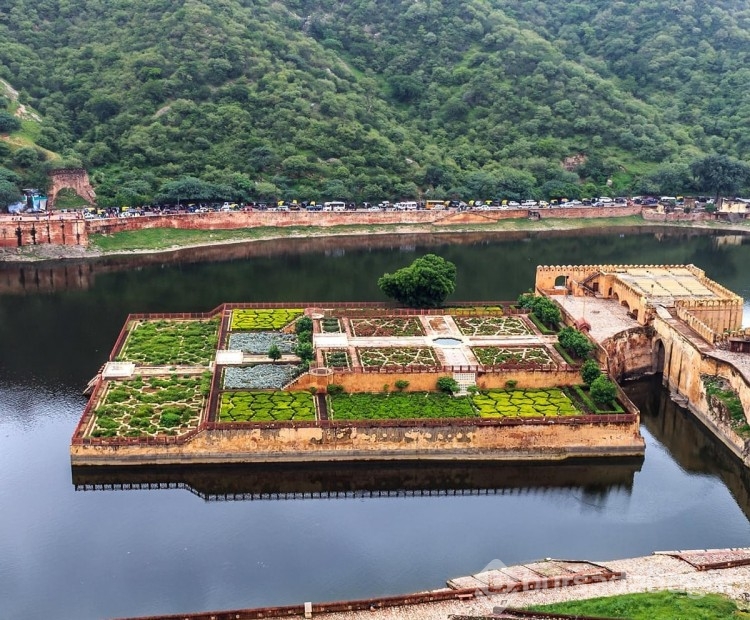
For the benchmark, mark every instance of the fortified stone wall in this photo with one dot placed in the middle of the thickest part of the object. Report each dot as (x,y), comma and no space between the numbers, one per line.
(676,216)
(40,229)
(253,219)
(76,179)
(499,442)
(629,353)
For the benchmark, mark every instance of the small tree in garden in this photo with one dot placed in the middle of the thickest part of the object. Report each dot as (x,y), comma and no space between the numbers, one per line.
(274,352)
(401,384)
(543,308)
(602,391)
(303,324)
(335,388)
(590,371)
(575,342)
(423,284)
(447,384)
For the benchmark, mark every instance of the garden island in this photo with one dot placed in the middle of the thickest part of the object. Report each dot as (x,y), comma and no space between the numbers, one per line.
(354,381)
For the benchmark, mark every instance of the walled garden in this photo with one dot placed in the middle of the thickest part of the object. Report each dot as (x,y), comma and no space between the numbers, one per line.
(336,358)
(404,406)
(258,343)
(524,403)
(397,356)
(248,320)
(492,326)
(259,376)
(497,356)
(398,327)
(149,407)
(273,406)
(171,342)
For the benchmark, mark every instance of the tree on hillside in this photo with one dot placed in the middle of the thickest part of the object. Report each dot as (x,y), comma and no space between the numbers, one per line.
(9,194)
(423,284)
(8,122)
(719,175)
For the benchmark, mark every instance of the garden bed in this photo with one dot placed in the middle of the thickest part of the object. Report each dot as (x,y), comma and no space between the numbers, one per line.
(529,403)
(150,407)
(336,358)
(330,326)
(393,327)
(492,326)
(266,407)
(398,406)
(249,320)
(260,376)
(497,356)
(258,343)
(397,356)
(170,342)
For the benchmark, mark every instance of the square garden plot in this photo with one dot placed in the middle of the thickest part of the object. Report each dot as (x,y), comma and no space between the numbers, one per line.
(394,327)
(248,320)
(259,376)
(170,342)
(336,358)
(266,407)
(150,407)
(398,406)
(497,356)
(492,326)
(258,343)
(397,356)
(524,403)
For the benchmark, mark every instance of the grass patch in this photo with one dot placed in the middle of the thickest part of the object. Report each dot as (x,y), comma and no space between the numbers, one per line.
(247,320)
(652,606)
(397,356)
(171,342)
(398,406)
(276,406)
(718,390)
(492,326)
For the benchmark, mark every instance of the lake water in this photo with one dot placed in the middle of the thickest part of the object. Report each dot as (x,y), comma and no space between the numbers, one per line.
(214,541)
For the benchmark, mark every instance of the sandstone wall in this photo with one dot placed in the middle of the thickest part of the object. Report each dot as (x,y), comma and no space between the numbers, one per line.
(471,442)
(42,229)
(629,353)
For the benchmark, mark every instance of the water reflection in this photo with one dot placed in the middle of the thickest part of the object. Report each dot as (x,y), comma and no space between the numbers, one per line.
(689,443)
(594,478)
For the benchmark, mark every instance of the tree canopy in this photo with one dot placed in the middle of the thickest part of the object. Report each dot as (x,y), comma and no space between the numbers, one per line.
(424,284)
(379,100)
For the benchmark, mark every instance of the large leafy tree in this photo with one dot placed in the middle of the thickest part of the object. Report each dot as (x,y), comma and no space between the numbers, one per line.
(720,175)
(423,284)
(9,194)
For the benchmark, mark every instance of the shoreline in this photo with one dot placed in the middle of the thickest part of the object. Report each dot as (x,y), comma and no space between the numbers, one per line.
(54,252)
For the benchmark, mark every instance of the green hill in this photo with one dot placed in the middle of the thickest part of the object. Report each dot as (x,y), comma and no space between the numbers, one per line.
(373,99)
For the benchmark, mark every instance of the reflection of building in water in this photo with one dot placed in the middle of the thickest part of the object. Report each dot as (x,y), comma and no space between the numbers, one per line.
(722,240)
(596,479)
(688,442)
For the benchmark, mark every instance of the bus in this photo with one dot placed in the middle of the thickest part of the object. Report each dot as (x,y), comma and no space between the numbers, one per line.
(434,204)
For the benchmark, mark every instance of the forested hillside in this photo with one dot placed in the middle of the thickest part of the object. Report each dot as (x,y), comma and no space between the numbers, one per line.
(372,99)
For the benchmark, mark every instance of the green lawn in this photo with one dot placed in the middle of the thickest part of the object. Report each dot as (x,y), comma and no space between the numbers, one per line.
(653,606)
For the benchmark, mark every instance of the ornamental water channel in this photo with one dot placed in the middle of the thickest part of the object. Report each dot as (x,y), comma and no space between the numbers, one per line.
(74,544)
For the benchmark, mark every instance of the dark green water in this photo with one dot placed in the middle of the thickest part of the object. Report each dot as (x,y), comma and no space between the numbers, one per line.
(88,554)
